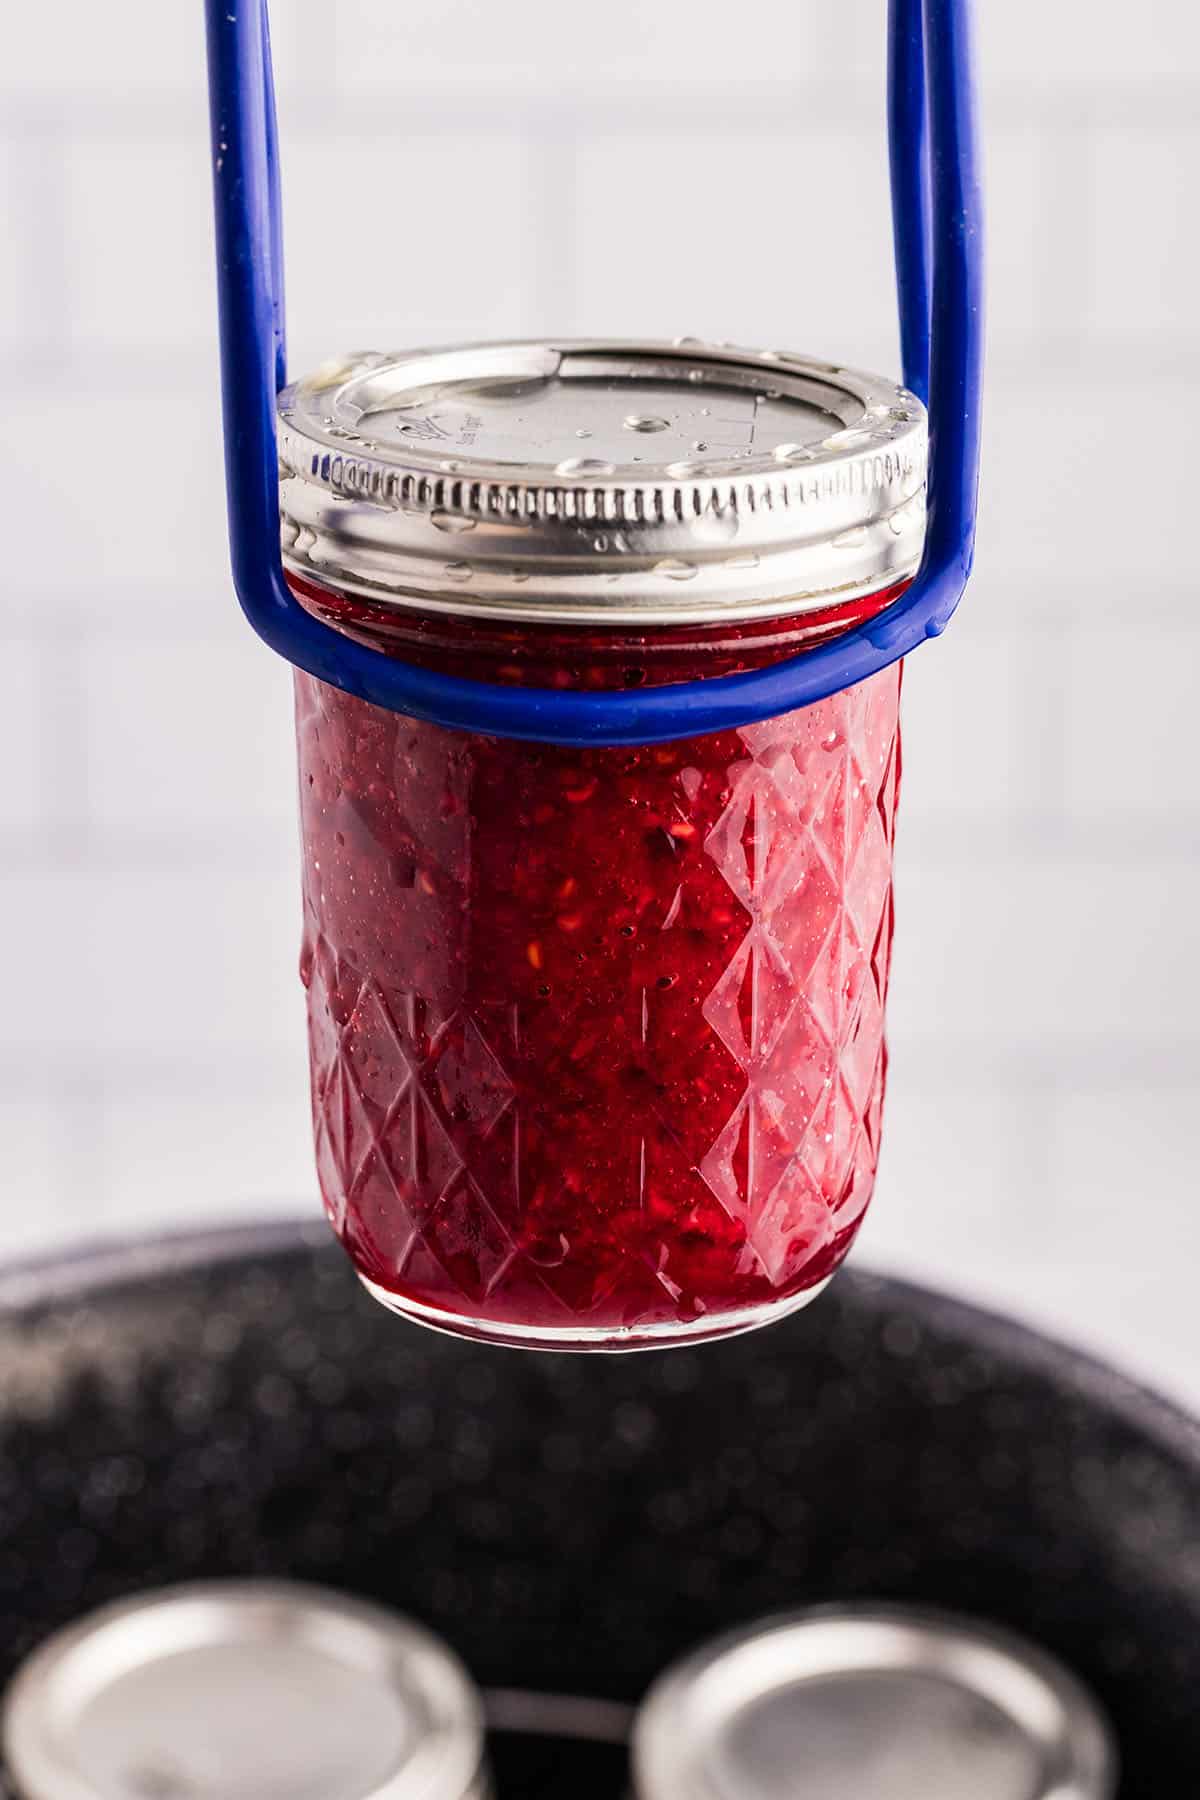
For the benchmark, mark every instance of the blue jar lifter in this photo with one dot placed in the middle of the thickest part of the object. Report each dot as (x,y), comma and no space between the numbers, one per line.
(937,230)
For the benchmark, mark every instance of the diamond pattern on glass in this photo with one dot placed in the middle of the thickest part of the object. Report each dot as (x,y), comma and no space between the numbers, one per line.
(653,1086)
(804,842)
(396,1130)
(468,1078)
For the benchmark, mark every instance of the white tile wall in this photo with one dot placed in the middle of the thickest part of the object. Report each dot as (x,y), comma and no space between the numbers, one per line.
(125,212)
(423,270)
(458,169)
(23,785)
(767,234)
(1141,282)
(445,46)
(14,294)
(203,763)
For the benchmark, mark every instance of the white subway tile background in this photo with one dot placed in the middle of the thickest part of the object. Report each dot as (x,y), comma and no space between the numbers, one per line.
(460,169)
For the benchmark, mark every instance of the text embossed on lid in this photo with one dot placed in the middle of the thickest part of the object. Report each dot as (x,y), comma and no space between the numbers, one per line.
(601,482)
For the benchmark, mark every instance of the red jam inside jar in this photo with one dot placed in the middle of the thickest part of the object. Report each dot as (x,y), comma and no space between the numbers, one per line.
(597,1035)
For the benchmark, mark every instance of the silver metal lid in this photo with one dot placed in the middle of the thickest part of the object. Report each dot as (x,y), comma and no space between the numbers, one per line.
(871,1704)
(243,1691)
(612,483)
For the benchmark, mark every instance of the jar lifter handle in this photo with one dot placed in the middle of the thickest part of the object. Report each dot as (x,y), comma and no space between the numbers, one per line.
(936,208)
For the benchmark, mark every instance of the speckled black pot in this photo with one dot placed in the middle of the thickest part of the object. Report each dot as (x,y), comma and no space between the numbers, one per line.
(234,1404)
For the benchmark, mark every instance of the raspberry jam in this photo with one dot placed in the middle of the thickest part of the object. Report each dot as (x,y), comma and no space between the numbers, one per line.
(596,1035)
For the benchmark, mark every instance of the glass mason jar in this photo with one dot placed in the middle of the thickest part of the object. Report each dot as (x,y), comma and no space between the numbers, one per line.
(597,1035)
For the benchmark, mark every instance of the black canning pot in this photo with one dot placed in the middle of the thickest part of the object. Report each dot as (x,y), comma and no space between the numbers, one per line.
(234,1404)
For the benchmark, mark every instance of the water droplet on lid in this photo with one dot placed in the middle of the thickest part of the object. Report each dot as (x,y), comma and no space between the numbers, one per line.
(699,444)
(846,440)
(748,559)
(450,468)
(792,453)
(584,465)
(903,414)
(680,341)
(675,569)
(646,422)
(457,571)
(854,539)
(771,355)
(770,394)
(695,375)
(452,522)
(582,433)
(518,575)
(705,412)
(679,471)
(600,543)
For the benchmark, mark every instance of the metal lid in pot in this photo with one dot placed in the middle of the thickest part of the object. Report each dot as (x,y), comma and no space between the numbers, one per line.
(601,482)
(243,1691)
(871,1704)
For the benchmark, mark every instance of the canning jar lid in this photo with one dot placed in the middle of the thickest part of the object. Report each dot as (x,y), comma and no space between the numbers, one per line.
(243,1691)
(871,1704)
(621,483)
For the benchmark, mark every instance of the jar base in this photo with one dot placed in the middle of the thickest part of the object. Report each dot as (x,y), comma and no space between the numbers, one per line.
(606,1339)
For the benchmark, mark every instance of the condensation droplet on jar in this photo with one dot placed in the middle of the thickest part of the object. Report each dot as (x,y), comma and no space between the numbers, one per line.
(854,539)
(454,523)
(792,453)
(457,571)
(675,569)
(584,465)
(646,422)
